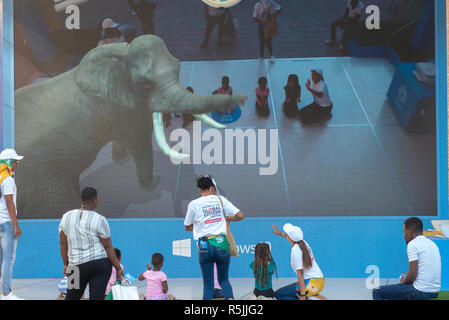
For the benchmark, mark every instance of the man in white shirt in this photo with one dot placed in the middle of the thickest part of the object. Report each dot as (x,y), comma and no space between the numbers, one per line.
(321,107)
(9,227)
(352,15)
(423,281)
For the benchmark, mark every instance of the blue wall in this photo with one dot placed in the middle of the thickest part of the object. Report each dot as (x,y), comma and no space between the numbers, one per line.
(343,247)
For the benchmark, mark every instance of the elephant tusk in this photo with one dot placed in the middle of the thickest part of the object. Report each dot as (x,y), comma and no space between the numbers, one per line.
(161,141)
(206,119)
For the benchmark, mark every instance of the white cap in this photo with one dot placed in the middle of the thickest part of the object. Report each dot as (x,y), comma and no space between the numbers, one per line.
(10,154)
(109,23)
(294,232)
(317,70)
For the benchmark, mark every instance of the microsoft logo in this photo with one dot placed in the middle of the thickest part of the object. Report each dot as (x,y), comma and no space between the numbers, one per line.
(182,248)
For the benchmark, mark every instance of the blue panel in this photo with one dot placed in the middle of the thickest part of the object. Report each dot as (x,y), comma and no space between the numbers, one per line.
(343,247)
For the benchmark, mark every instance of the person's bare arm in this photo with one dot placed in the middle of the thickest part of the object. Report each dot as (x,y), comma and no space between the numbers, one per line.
(64,247)
(9,199)
(107,244)
(302,286)
(283,235)
(189,228)
(164,286)
(237,217)
(412,272)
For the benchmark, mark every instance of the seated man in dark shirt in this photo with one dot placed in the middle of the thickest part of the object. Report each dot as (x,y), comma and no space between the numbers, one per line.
(347,23)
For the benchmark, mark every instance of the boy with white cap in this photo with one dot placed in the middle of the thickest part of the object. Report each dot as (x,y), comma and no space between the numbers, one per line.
(9,227)
(310,278)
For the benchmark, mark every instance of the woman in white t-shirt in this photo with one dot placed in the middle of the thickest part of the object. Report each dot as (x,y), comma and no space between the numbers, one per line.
(205,217)
(310,278)
(264,14)
(321,107)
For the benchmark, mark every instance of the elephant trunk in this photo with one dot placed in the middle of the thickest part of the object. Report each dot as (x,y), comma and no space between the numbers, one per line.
(176,98)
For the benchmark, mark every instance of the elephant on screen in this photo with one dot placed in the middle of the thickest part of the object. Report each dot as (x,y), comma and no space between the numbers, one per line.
(117,93)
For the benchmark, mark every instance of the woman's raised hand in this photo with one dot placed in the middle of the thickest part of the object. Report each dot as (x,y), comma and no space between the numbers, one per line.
(276,230)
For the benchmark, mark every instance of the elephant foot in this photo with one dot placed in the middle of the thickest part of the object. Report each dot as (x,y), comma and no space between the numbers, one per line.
(120,154)
(152,184)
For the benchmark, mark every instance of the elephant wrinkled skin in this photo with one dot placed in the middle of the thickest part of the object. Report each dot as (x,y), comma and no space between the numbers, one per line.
(62,123)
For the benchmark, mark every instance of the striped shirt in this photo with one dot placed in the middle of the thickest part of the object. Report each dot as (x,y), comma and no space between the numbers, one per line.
(83,230)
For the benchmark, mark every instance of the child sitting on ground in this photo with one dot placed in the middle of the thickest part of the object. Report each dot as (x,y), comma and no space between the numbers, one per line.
(263,269)
(225,89)
(262,93)
(113,277)
(157,286)
(292,96)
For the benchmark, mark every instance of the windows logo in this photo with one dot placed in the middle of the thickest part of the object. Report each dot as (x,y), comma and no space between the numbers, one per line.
(182,248)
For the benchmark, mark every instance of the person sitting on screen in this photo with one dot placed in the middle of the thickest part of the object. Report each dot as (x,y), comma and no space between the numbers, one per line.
(292,96)
(322,105)
(225,89)
(262,93)
(347,23)
(423,280)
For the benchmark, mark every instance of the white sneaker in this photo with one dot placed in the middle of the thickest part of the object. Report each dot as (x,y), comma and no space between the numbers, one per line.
(11,296)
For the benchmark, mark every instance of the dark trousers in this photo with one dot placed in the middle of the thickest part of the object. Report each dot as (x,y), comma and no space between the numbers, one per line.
(147,27)
(96,273)
(211,22)
(264,41)
(347,25)
(314,113)
(401,292)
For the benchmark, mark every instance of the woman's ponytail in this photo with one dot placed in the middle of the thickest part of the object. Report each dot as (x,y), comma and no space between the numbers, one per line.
(306,259)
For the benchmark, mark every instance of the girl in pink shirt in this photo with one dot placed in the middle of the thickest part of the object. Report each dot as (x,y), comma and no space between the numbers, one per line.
(157,286)
(113,277)
(225,89)
(262,93)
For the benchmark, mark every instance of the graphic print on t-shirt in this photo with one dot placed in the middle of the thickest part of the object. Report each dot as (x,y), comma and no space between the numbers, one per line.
(212,214)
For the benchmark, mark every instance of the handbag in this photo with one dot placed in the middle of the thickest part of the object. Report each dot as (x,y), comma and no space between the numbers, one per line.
(271,27)
(119,292)
(229,236)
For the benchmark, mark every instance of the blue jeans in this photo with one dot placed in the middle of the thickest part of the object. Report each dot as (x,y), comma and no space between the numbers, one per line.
(401,292)
(207,257)
(8,245)
(287,293)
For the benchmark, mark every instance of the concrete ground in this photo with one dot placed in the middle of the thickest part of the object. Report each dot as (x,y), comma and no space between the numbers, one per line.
(191,288)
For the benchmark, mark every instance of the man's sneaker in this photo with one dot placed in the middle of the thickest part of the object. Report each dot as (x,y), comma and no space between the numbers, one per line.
(329,42)
(272,59)
(10,296)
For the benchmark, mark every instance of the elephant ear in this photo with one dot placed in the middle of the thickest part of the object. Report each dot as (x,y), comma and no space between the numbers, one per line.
(104,73)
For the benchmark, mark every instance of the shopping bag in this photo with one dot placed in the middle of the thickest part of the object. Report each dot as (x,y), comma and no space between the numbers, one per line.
(120,292)
(271,27)
(229,236)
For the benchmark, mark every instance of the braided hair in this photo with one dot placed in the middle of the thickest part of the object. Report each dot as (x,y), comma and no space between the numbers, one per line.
(262,258)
